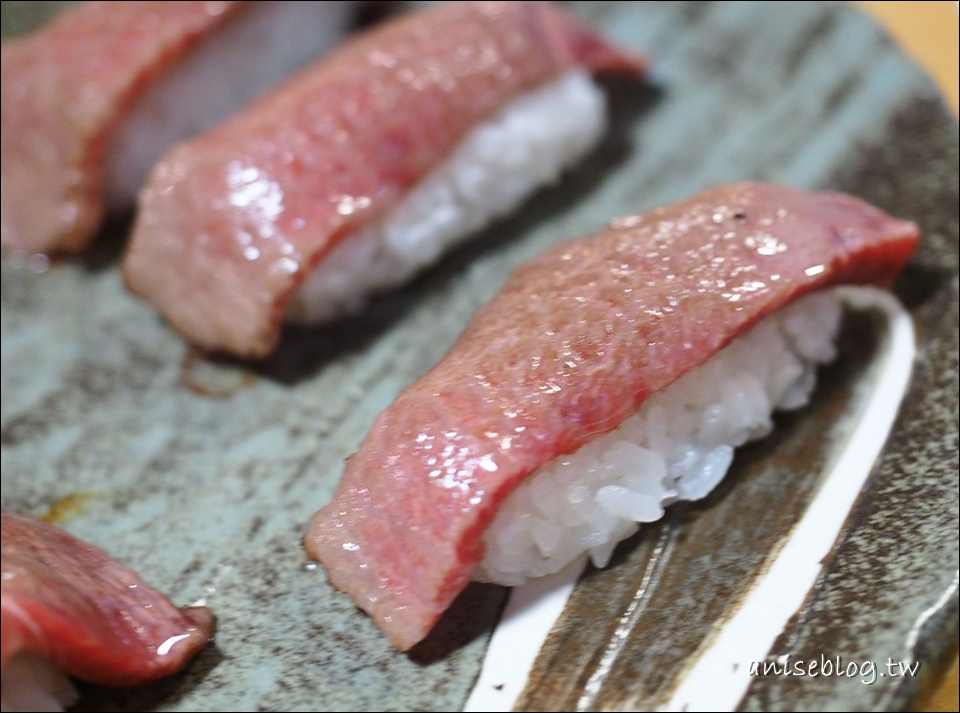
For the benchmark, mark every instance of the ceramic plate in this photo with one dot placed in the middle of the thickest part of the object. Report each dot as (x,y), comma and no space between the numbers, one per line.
(202,474)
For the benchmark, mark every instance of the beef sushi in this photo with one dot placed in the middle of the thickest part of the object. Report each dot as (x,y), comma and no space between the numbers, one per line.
(92,100)
(364,167)
(69,609)
(610,377)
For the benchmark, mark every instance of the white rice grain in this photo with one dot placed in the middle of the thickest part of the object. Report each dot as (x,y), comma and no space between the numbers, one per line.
(225,71)
(678,446)
(526,144)
(33,683)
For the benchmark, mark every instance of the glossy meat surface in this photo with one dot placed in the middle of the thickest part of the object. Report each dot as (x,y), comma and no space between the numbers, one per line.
(231,222)
(91,616)
(64,88)
(573,344)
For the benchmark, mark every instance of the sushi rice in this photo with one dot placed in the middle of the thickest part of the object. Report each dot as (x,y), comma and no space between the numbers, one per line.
(34,683)
(528,143)
(678,446)
(249,54)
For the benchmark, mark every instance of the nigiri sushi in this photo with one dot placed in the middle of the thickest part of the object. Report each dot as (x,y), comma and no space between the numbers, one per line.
(587,394)
(69,609)
(364,167)
(92,100)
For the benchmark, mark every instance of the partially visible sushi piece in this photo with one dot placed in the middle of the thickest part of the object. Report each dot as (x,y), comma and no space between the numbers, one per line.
(93,99)
(611,376)
(365,167)
(68,609)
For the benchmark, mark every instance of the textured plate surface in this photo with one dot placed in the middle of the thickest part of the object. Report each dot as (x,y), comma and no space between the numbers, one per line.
(202,474)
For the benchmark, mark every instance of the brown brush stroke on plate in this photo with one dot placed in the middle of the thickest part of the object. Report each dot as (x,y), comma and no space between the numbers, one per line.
(877,600)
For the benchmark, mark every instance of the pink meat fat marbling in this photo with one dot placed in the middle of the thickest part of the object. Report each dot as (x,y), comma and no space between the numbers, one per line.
(91,616)
(64,89)
(231,222)
(575,342)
